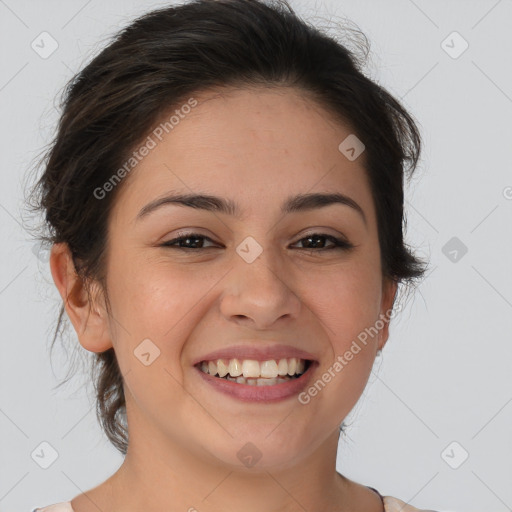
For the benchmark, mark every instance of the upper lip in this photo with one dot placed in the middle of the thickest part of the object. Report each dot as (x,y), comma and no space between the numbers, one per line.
(257,353)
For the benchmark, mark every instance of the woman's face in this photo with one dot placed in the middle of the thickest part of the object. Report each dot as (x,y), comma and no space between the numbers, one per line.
(266,279)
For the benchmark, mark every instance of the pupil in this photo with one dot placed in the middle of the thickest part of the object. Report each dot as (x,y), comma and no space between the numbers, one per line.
(309,238)
(186,240)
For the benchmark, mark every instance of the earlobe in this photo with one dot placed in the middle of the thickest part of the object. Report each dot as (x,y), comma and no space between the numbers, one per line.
(88,317)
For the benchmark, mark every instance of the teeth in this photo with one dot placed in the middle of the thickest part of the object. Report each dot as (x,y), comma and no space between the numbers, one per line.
(267,382)
(251,368)
(292,366)
(258,382)
(234,368)
(252,371)
(282,367)
(222,369)
(269,369)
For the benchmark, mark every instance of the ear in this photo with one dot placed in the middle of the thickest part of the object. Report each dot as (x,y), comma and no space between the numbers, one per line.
(389,288)
(88,316)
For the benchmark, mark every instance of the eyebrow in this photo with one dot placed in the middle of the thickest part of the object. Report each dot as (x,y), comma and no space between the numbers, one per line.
(298,203)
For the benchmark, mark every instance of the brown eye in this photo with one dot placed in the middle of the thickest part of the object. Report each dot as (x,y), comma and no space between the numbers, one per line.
(188,241)
(318,241)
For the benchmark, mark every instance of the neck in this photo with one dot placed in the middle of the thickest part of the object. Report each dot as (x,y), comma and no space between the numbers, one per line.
(157,474)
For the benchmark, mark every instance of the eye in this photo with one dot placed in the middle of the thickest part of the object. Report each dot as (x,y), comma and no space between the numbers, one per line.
(314,241)
(187,241)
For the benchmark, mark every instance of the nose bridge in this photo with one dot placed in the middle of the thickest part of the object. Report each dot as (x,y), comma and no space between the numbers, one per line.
(257,287)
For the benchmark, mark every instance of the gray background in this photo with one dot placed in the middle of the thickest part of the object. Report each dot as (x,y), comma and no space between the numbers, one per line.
(445,374)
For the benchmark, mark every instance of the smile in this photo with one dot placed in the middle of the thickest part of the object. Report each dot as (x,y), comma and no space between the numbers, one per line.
(252,380)
(256,373)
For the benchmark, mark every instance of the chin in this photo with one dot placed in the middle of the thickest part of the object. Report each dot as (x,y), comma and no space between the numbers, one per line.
(259,449)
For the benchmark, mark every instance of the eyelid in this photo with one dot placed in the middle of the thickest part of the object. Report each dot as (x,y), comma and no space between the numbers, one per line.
(188,234)
(338,241)
(322,232)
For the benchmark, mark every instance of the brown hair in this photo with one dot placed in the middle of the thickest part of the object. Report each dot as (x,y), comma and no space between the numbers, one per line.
(159,61)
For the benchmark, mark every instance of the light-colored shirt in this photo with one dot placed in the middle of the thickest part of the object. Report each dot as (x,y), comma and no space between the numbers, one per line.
(390,505)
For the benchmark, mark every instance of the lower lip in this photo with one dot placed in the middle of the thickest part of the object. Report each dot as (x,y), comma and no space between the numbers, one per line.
(248,393)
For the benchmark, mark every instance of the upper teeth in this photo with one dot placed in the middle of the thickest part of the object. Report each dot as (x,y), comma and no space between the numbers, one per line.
(250,368)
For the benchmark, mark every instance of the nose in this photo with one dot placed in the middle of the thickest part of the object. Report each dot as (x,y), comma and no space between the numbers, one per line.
(257,294)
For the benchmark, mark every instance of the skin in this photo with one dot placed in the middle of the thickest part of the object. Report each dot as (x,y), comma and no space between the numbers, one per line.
(257,147)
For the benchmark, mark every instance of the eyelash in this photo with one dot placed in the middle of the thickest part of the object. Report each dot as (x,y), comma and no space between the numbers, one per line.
(339,243)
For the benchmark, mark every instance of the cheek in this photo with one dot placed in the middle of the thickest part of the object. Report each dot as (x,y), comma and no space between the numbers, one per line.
(346,302)
(153,304)
(348,308)
(155,298)
(162,303)
(152,315)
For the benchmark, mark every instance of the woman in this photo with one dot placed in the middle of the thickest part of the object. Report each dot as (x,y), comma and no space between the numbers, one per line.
(225,202)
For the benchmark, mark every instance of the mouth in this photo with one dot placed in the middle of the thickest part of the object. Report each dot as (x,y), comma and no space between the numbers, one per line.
(251,380)
(256,373)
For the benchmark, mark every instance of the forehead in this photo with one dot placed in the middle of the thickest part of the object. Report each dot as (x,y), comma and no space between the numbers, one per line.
(248,143)
(277,119)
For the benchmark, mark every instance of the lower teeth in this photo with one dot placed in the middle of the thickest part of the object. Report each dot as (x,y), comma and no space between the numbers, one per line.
(259,381)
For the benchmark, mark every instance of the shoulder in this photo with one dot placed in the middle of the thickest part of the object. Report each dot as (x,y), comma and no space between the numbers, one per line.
(395,505)
(64,506)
